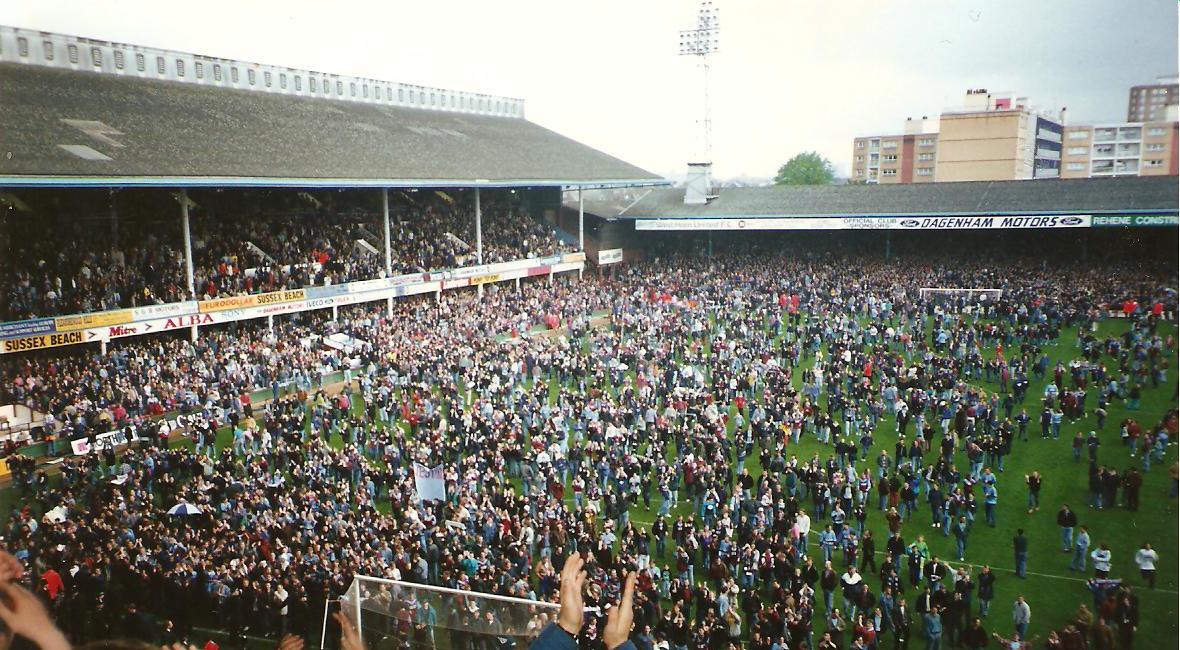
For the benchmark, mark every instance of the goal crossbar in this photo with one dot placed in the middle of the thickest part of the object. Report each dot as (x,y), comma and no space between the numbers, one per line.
(385,609)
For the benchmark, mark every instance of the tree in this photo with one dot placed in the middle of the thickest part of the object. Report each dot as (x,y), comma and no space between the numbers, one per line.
(807,168)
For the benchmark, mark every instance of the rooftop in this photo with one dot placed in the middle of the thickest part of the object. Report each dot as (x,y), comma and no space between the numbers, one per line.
(79,124)
(1118,195)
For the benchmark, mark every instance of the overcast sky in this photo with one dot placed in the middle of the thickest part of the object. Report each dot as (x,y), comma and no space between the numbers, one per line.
(792,75)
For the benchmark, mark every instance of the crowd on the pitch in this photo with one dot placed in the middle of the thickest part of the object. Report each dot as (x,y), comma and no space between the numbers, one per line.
(596,442)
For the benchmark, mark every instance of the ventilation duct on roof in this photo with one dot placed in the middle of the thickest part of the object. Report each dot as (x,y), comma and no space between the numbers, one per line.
(698,185)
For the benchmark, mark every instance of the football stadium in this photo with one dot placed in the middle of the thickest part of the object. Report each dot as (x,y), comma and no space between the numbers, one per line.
(298,359)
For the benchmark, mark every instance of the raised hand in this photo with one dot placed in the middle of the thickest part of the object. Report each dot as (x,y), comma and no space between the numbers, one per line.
(350,639)
(619,620)
(573,579)
(24,614)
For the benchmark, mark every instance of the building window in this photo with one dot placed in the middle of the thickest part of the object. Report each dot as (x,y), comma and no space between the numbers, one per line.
(339,87)
(860,144)
(140,63)
(925,156)
(1079,135)
(161,67)
(1155,146)
(199,69)
(1076,151)
(217,72)
(266,78)
(234,75)
(311,86)
(1153,162)
(891,158)
(1155,131)
(365,91)
(283,80)
(352,88)
(889,144)
(388,93)
(73,52)
(926,142)
(96,57)
(860,172)
(860,159)
(298,82)
(22,46)
(889,172)
(1075,166)
(251,76)
(925,171)
(120,59)
(48,48)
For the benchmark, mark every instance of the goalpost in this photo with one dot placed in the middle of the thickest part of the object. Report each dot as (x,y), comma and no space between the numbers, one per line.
(394,614)
(969,299)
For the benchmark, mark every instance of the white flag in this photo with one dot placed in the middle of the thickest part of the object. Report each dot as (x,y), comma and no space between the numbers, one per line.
(430,483)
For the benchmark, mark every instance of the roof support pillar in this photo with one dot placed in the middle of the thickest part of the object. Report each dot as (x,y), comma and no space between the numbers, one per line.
(581,223)
(188,251)
(114,220)
(478,230)
(478,240)
(388,250)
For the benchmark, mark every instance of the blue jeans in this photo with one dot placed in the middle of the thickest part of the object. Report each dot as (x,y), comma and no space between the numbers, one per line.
(984,606)
(989,511)
(1078,563)
(1066,537)
(934,642)
(961,546)
(828,597)
(1021,630)
(1021,561)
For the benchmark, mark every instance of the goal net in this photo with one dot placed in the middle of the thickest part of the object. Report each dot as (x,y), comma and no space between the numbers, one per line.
(394,614)
(956,297)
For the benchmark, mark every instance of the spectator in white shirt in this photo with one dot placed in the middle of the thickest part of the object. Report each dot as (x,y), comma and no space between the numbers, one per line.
(1101,557)
(1146,558)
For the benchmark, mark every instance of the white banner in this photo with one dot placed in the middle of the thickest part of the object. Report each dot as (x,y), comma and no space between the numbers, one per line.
(869,223)
(103,441)
(119,437)
(430,483)
(610,256)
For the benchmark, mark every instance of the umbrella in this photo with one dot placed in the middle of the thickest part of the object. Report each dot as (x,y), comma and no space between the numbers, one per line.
(184,509)
(56,515)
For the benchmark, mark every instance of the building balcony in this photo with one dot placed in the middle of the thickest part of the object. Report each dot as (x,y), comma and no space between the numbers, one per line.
(1050,136)
(1048,154)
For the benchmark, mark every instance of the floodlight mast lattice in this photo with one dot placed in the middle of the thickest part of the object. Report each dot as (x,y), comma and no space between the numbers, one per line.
(702,42)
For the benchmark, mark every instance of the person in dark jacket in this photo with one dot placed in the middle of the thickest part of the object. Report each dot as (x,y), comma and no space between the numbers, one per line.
(987,589)
(1067,520)
(975,637)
